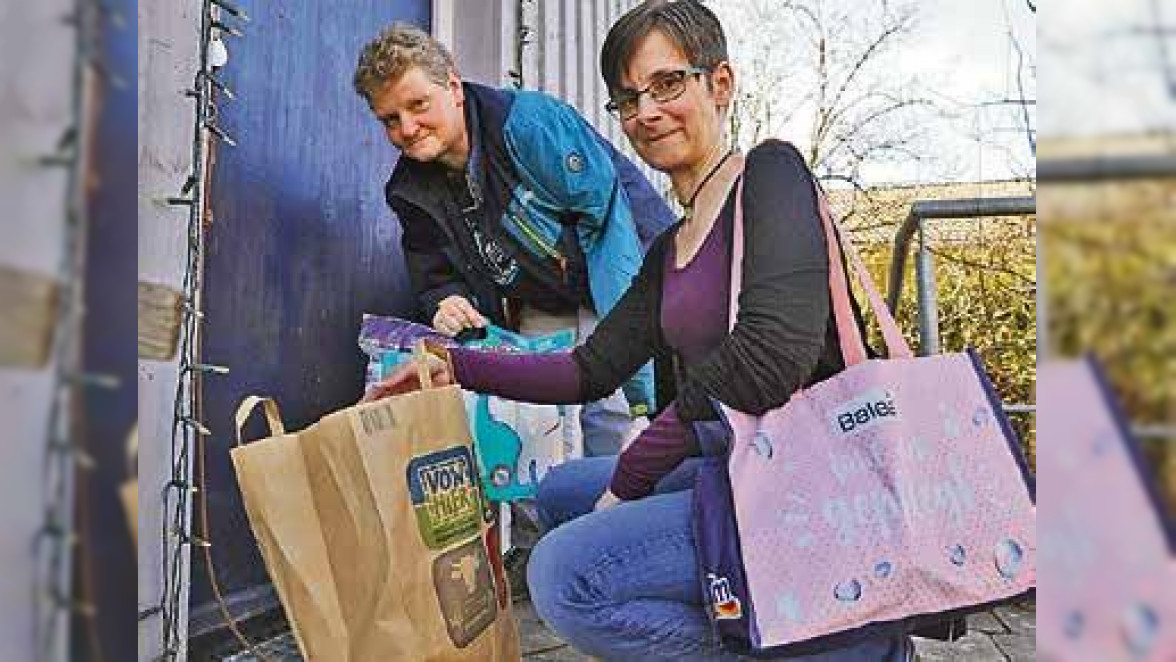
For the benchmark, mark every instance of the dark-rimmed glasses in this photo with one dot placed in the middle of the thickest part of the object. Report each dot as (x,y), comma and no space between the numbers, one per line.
(664,88)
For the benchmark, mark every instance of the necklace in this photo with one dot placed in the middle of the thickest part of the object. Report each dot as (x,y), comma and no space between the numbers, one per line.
(689,206)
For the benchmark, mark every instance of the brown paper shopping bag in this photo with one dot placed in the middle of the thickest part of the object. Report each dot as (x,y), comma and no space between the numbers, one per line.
(375,532)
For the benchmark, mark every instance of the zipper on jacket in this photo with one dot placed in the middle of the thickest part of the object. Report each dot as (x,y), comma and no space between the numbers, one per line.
(532,234)
(475,196)
(547,248)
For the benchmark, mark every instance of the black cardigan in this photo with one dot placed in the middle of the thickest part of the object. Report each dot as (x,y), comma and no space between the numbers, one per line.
(785,336)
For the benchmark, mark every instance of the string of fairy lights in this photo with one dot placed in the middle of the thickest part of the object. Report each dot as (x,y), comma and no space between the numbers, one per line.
(177,536)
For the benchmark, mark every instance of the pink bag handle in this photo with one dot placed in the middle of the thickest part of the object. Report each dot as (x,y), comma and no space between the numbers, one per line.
(853,348)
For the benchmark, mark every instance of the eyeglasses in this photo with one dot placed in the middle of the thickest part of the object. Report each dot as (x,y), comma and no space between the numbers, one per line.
(663,89)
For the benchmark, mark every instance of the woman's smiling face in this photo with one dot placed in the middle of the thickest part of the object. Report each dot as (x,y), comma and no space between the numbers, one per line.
(679,133)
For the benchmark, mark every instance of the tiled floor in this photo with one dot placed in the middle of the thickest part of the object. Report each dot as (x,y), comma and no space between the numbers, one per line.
(1006,635)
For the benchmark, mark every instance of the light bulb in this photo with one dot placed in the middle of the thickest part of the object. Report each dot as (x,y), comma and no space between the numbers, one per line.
(218,55)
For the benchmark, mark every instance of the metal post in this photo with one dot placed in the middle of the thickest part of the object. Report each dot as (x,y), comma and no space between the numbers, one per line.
(928,297)
(941,209)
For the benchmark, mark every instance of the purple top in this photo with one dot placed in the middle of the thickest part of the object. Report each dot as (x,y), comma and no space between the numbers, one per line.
(694,298)
(694,321)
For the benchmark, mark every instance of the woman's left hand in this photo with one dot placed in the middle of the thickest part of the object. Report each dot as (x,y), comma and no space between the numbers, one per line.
(607,500)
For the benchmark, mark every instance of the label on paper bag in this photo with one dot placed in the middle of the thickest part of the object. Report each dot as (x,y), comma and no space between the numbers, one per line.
(373,419)
(445,497)
(465,590)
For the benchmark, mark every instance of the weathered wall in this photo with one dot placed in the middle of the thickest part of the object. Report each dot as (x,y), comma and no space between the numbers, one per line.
(167,64)
(37,52)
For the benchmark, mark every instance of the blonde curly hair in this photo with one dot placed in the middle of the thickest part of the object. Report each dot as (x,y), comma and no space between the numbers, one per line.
(394,51)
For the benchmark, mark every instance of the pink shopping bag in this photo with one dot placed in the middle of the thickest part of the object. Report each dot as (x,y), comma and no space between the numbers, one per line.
(889,497)
(1109,577)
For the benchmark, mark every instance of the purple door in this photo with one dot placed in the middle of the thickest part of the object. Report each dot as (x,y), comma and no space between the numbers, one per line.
(301,244)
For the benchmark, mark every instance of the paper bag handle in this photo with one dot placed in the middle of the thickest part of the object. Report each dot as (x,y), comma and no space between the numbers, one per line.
(420,357)
(272,416)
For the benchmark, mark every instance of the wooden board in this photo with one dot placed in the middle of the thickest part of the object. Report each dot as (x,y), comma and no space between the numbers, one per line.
(159,321)
(29,303)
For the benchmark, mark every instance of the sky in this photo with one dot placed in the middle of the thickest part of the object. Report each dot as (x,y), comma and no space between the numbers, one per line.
(1101,76)
(964,50)
(1105,73)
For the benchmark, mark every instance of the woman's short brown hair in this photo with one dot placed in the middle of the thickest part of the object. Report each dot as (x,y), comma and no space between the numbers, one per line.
(394,51)
(688,23)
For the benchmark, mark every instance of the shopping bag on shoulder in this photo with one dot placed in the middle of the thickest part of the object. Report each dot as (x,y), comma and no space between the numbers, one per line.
(376,533)
(1109,588)
(887,498)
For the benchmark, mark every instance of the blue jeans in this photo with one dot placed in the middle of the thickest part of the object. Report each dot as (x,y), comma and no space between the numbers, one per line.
(605,425)
(623,584)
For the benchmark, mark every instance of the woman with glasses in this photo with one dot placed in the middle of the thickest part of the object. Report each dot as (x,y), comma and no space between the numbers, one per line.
(616,574)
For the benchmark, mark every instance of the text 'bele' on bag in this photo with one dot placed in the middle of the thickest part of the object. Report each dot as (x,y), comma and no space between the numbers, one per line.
(376,534)
(887,498)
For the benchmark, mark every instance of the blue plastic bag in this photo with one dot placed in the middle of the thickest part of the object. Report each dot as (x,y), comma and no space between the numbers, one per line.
(515,442)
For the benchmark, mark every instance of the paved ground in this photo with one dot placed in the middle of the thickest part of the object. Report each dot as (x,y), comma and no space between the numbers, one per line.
(1008,634)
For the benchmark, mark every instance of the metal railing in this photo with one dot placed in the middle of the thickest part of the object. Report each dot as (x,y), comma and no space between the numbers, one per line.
(1109,169)
(930,210)
(1102,169)
(1062,171)
(925,283)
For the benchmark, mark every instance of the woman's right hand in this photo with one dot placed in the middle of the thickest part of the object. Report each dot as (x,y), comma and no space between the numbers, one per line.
(455,313)
(406,377)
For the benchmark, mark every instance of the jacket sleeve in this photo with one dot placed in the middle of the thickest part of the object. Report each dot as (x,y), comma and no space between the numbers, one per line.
(563,163)
(784,307)
(565,166)
(578,169)
(432,275)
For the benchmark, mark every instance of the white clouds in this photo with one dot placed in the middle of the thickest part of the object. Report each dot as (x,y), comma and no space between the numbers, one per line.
(1103,70)
(963,57)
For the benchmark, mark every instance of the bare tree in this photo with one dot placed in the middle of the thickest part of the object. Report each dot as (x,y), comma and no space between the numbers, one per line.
(827,66)
(763,75)
(1025,69)
(1162,32)
(1020,100)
